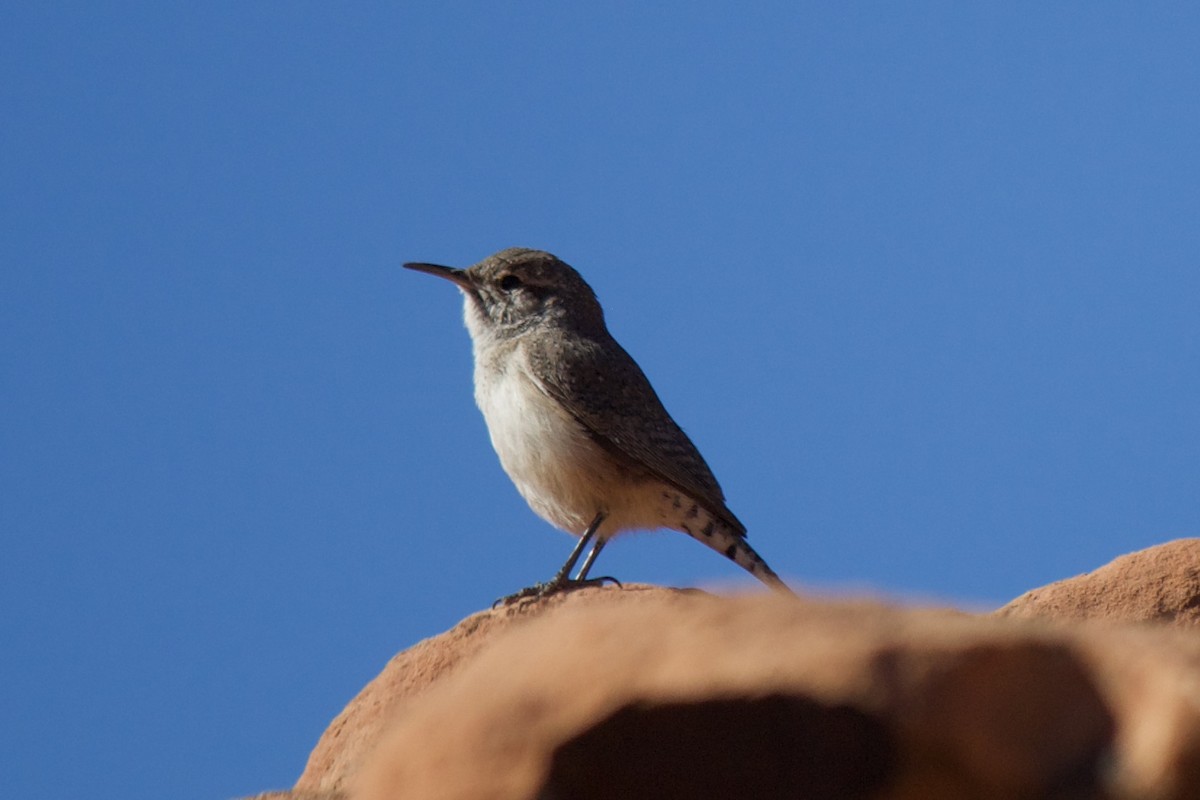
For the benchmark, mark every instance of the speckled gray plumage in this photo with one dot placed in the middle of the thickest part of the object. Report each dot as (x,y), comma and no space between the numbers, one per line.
(606,391)
(580,365)
(576,424)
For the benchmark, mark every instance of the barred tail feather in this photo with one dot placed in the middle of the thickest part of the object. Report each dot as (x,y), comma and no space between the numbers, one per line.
(732,544)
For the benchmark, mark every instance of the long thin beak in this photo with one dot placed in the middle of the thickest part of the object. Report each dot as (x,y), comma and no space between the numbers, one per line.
(458,276)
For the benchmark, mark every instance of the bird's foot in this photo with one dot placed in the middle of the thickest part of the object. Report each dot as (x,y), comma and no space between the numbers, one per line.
(540,590)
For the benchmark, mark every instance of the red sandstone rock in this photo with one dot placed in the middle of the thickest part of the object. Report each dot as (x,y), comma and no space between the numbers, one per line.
(772,697)
(647,692)
(1160,584)
(358,728)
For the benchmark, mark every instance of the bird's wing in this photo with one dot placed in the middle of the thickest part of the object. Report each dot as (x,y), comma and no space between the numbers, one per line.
(603,388)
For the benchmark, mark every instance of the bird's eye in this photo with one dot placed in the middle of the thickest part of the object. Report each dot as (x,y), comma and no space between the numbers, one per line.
(509,282)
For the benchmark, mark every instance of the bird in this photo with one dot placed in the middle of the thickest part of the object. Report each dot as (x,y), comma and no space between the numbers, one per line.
(575,422)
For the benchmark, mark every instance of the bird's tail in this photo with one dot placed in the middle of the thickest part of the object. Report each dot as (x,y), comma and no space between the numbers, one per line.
(731,543)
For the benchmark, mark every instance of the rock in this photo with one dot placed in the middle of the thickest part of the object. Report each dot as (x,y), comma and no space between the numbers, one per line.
(701,696)
(339,752)
(1077,690)
(1159,584)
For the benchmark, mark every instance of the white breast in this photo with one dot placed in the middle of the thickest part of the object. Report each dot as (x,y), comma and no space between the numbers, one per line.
(564,476)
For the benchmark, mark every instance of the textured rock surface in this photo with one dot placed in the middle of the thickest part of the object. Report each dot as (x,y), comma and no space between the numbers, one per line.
(768,697)
(351,735)
(1160,584)
(648,692)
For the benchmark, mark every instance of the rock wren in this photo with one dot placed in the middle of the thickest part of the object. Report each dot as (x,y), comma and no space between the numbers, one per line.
(576,424)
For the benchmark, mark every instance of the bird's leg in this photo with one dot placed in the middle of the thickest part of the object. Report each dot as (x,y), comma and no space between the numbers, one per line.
(562,579)
(563,576)
(581,578)
(591,559)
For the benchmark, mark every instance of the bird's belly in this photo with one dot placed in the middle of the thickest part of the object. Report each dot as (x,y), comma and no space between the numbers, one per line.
(560,471)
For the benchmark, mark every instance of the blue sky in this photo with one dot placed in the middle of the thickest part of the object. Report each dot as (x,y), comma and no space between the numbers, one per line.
(921,281)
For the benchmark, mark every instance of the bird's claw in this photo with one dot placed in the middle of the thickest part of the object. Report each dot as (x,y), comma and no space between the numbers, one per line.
(540,590)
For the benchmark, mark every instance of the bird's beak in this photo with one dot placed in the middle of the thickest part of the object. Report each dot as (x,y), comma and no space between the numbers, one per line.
(458,276)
